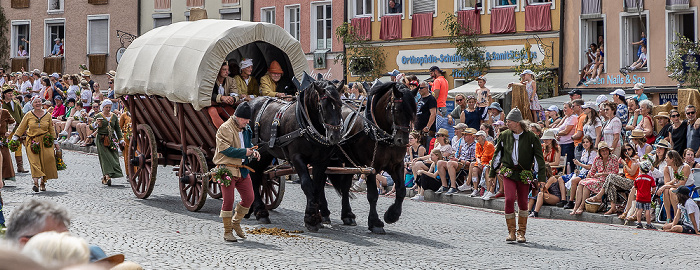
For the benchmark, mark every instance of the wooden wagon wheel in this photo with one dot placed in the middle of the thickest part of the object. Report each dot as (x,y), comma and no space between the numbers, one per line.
(214,190)
(193,179)
(272,191)
(143,159)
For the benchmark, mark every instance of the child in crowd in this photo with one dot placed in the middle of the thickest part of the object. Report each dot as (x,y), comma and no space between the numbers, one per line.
(644,184)
(428,179)
(687,217)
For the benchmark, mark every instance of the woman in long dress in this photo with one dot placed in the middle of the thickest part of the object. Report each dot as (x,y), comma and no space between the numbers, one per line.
(37,125)
(7,172)
(107,125)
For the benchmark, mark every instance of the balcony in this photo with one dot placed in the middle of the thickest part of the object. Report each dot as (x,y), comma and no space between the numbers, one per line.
(53,64)
(19,64)
(97,63)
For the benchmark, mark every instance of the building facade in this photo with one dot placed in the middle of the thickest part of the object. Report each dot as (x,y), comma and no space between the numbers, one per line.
(155,13)
(414,39)
(618,24)
(87,30)
(313,23)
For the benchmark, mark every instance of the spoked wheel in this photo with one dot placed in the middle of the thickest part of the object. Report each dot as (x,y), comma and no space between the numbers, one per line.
(143,161)
(193,179)
(214,190)
(272,191)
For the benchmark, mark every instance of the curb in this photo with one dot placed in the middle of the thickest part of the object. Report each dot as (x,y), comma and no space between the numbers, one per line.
(73,147)
(546,212)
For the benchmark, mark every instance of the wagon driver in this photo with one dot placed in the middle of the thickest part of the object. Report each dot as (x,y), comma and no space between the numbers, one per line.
(518,158)
(233,150)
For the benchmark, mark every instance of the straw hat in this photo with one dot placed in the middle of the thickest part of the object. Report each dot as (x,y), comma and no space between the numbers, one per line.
(663,114)
(444,132)
(548,135)
(85,73)
(637,134)
(112,73)
(461,126)
(602,145)
(663,143)
(275,68)
(469,131)
(481,133)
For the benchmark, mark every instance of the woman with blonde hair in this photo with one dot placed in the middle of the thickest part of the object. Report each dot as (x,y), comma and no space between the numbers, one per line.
(40,143)
(55,250)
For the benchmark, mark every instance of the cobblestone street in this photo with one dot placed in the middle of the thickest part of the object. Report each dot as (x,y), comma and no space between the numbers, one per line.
(160,233)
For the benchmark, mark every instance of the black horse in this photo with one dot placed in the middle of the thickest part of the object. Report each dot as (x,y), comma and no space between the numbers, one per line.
(302,132)
(377,138)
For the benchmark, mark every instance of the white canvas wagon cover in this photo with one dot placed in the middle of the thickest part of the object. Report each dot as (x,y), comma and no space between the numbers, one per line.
(180,61)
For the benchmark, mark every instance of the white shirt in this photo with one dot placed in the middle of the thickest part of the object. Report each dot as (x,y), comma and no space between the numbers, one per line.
(590,129)
(642,57)
(37,85)
(515,153)
(240,136)
(72,92)
(86,95)
(23,88)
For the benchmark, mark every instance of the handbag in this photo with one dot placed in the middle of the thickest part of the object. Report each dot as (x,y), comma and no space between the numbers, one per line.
(106,141)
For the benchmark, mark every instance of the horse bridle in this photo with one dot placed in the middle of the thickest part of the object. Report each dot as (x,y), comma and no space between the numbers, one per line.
(380,134)
(323,119)
(313,133)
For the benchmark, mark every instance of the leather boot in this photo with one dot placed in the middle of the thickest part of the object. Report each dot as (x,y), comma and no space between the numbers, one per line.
(236,221)
(522,226)
(228,226)
(20,164)
(510,221)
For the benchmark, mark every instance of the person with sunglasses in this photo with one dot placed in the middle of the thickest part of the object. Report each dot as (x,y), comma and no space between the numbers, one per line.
(663,120)
(425,116)
(693,131)
(460,104)
(677,134)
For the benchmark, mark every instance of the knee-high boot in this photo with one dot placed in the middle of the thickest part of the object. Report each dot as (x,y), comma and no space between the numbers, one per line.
(522,226)
(228,226)
(236,222)
(510,222)
(20,164)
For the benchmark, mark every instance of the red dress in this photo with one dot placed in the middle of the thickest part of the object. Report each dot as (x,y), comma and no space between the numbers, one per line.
(594,184)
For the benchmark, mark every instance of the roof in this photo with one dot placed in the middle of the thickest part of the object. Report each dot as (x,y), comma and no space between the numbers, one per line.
(496,82)
(180,61)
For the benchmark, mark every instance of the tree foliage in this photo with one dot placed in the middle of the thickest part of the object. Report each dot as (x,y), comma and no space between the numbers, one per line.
(361,58)
(468,48)
(4,43)
(683,62)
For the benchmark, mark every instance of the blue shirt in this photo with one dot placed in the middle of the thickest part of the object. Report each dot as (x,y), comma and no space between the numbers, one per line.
(640,98)
(622,113)
(56,49)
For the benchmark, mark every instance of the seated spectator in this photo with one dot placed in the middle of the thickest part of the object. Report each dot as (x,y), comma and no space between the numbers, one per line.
(59,109)
(385,183)
(428,179)
(536,128)
(640,63)
(33,217)
(440,143)
(488,129)
(663,120)
(675,175)
(550,147)
(615,182)
(56,250)
(551,192)
(413,152)
(481,165)
(647,123)
(553,117)
(583,165)
(687,218)
(689,158)
(597,70)
(591,55)
(494,114)
(460,105)
(464,155)
(603,165)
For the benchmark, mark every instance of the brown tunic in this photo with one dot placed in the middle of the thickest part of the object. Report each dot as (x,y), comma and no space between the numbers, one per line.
(7,170)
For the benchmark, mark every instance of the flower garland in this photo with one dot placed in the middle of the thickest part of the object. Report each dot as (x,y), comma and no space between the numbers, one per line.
(48,141)
(679,175)
(35,146)
(127,132)
(526,176)
(3,142)
(113,145)
(222,176)
(60,165)
(13,145)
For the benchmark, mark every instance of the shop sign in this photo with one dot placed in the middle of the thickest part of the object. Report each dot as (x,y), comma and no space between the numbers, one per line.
(670,97)
(500,56)
(619,79)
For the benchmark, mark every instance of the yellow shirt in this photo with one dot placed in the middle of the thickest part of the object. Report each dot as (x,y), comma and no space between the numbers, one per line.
(268,86)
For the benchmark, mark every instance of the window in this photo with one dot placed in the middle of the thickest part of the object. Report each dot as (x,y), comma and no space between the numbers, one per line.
(291,20)
(468,5)
(55,28)
(363,7)
(634,5)
(392,7)
(323,29)
(590,6)
(98,34)
(632,25)
(267,15)
(683,23)
(541,2)
(423,6)
(161,5)
(592,31)
(505,3)
(230,13)
(55,6)
(20,33)
(162,19)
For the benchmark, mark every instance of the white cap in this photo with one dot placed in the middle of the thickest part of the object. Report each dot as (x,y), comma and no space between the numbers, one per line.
(618,92)
(638,86)
(553,108)
(55,75)
(590,105)
(480,133)
(600,99)
(527,71)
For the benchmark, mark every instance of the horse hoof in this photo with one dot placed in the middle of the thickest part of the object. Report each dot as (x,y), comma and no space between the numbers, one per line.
(247,216)
(377,230)
(326,220)
(312,228)
(264,220)
(349,222)
(391,215)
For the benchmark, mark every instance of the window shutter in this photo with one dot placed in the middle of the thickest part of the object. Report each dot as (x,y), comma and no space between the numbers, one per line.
(98,36)
(158,22)
(423,6)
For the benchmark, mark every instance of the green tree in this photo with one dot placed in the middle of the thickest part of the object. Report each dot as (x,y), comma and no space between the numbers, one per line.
(361,58)
(545,76)
(4,44)
(683,62)
(473,63)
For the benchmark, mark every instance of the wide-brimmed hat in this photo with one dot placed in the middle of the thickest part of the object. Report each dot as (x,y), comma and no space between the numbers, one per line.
(461,126)
(549,135)
(444,132)
(85,73)
(663,143)
(637,134)
(112,73)
(602,145)
(275,68)
(663,114)
(469,131)
(496,105)
(515,115)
